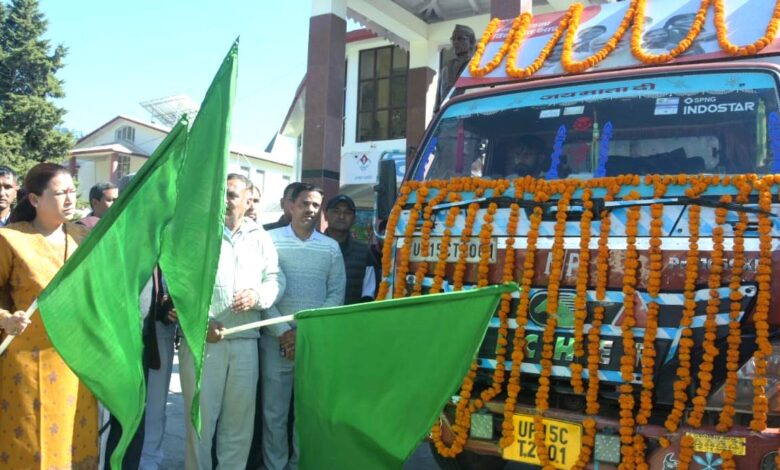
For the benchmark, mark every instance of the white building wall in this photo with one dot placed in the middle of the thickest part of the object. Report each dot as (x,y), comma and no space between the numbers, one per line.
(422,53)
(87,176)
(274,178)
(353,170)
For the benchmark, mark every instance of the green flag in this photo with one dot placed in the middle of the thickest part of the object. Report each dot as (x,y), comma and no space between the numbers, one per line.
(191,242)
(371,379)
(91,308)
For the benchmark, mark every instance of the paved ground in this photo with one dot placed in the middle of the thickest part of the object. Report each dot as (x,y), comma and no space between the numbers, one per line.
(174,434)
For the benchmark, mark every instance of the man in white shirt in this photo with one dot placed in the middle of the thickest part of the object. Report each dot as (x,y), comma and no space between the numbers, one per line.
(248,281)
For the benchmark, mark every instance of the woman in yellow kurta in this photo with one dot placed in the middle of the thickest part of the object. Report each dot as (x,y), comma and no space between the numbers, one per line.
(48,420)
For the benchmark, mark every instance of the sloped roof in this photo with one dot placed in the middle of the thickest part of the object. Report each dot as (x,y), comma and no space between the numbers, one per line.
(109,148)
(125,118)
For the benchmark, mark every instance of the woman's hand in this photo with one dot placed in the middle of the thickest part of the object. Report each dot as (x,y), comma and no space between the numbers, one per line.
(13,324)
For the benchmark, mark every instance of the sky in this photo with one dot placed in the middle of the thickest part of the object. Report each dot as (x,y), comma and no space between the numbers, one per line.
(123,53)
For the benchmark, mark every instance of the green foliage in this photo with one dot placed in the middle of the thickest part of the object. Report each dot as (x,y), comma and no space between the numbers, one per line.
(29,120)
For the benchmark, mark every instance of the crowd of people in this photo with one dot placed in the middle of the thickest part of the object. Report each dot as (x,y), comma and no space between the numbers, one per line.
(50,420)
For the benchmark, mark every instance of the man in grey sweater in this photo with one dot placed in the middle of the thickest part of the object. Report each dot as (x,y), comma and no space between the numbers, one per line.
(314,270)
(248,282)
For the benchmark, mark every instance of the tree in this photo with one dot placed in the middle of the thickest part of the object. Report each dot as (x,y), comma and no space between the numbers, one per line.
(29,120)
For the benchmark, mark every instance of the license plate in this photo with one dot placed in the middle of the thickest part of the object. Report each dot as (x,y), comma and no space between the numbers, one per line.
(563,441)
(717,444)
(434,248)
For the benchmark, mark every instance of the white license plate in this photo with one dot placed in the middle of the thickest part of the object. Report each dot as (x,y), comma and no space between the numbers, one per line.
(472,256)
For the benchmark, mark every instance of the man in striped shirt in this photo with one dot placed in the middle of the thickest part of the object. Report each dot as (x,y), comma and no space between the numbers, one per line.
(314,270)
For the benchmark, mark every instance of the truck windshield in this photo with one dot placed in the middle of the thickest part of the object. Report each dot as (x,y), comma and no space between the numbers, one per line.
(719,123)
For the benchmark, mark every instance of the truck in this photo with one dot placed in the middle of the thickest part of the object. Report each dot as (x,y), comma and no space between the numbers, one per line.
(645,238)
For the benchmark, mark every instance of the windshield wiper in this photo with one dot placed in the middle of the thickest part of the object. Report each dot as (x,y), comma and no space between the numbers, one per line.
(682,200)
(498,199)
(685,200)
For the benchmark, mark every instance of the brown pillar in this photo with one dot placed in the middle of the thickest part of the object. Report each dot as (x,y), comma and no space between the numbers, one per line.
(505,9)
(324,103)
(418,81)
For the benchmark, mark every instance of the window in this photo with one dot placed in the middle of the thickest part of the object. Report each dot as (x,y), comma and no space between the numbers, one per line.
(246,171)
(719,124)
(259,180)
(382,94)
(122,166)
(286,180)
(125,133)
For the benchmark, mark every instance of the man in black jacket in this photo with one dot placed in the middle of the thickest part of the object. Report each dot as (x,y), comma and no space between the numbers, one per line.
(358,260)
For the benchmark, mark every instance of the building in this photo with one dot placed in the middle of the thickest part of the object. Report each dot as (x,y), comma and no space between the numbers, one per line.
(375,87)
(123,144)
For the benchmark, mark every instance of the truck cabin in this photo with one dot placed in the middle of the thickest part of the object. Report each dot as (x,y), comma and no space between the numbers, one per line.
(703,121)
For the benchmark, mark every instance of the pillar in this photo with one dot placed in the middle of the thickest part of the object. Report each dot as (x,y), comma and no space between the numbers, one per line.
(324,95)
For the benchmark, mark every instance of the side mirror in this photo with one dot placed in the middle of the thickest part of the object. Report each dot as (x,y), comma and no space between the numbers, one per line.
(386,191)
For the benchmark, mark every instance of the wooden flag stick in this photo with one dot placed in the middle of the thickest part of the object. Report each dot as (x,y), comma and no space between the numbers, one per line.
(29,313)
(257,324)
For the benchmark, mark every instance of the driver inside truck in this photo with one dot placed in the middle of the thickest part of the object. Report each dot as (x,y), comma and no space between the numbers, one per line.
(525,156)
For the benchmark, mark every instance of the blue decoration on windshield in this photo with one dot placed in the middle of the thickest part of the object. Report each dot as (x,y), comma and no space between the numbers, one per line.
(606,136)
(774,140)
(425,160)
(560,138)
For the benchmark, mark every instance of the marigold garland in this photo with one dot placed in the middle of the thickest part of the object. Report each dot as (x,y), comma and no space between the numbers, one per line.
(686,452)
(387,246)
(651,327)
(425,239)
(542,191)
(734,338)
(466,407)
(511,61)
(686,341)
(548,338)
(594,334)
(750,49)
(463,247)
(444,249)
(503,312)
(485,236)
(581,302)
(462,419)
(521,316)
(399,286)
(628,359)
(761,312)
(517,25)
(711,322)
(682,46)
(728,460)
(573,66)
(634,18)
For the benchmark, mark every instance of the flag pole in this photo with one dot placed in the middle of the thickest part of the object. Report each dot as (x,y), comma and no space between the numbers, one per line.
(257,324)
(27,314)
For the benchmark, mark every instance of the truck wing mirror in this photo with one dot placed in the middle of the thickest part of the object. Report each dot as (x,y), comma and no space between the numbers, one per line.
(386,190)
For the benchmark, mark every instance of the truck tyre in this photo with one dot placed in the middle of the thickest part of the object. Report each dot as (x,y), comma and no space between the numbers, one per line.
(468,461)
